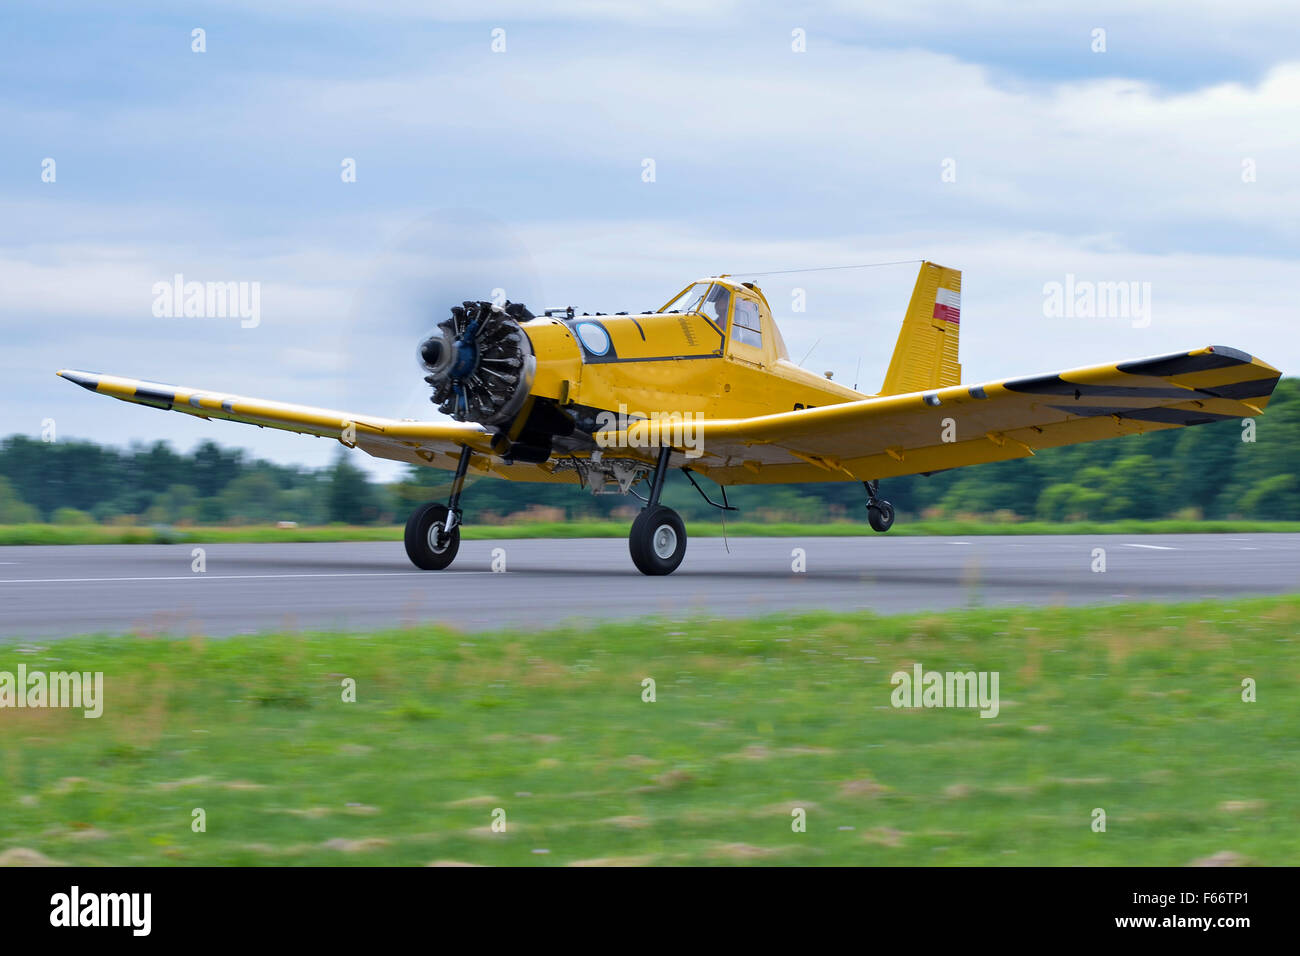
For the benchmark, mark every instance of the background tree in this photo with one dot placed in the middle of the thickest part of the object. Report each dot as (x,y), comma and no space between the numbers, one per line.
(1206,469)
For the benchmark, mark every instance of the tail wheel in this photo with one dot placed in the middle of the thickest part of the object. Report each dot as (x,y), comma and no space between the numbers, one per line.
(880,515)
(657,541)
(429,546)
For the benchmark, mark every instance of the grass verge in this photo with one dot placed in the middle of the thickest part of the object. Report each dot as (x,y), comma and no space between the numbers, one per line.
(1136,710)
(28,534)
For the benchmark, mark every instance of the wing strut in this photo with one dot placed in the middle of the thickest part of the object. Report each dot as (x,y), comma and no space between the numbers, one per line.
(721,507)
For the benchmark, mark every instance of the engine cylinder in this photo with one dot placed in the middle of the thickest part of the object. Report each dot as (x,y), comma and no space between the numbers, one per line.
(480,362)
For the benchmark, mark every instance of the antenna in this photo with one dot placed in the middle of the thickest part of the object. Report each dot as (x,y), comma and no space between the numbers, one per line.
(810,351)
(863,265)
(856,370)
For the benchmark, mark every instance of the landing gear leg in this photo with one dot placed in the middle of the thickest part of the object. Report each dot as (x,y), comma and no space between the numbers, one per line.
(880,513)
(433,530)
(658,538)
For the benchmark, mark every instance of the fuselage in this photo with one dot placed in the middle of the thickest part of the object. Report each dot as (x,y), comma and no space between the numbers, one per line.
(553,385)
(657,363)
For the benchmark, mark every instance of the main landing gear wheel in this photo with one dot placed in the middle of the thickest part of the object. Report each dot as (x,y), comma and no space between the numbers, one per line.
(428,544)
(658,538)
(657,541)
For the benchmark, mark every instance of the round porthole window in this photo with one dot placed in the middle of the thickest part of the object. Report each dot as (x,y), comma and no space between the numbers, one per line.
(594,338)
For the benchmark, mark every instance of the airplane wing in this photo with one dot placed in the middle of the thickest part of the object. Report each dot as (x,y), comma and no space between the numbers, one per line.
(959,425)
(437,444)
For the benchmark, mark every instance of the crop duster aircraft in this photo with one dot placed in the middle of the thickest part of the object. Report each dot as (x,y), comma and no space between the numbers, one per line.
(547,398)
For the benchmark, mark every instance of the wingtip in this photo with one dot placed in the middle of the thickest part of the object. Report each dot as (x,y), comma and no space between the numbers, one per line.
(1229,352)
(84,379)
(1244,357)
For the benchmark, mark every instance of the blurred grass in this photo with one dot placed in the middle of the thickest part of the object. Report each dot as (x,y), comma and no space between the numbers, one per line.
(28,534)
(1134,709)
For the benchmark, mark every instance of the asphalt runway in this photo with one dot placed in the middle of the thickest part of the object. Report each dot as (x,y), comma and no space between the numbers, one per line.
(151,589)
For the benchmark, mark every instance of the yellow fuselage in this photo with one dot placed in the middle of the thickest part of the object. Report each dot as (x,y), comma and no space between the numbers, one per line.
(665,362)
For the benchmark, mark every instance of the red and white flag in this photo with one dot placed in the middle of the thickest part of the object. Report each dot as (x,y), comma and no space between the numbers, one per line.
(947,306)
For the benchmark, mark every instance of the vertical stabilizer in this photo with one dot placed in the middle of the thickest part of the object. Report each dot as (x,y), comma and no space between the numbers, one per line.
(925,356)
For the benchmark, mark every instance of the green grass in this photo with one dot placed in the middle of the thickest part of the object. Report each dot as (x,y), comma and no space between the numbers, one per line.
(1134,709)
(26,534)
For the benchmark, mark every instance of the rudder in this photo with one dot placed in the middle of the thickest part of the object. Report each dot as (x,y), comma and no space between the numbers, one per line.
(925,356)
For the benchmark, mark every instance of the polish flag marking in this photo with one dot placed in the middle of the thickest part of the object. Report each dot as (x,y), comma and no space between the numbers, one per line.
(947,306)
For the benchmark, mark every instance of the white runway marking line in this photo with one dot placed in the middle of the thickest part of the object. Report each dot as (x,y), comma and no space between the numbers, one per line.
(233,577)
(1152,547)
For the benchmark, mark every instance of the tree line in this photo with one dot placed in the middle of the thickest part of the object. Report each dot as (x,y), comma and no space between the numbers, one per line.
(1247,469)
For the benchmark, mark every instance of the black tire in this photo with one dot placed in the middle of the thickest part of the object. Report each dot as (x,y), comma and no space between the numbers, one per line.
(657,540)
(880,516)
(420,538)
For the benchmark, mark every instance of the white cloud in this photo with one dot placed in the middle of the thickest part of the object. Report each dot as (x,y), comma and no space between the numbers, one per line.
(848,129)
(767,160)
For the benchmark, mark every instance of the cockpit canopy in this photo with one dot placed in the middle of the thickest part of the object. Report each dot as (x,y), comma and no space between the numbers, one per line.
(710,299)
(743,302)
(689,300)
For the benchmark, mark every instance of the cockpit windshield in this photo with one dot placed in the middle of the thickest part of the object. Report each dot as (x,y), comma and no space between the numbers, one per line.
(717,304)
(688,301)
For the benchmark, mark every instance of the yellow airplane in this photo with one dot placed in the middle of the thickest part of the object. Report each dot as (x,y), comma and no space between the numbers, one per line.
(613,402)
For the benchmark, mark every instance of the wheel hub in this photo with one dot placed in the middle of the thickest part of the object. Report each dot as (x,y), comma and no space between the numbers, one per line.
(664,541)
(437,541)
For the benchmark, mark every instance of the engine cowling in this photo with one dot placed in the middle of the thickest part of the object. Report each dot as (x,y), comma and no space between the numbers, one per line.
(480,363)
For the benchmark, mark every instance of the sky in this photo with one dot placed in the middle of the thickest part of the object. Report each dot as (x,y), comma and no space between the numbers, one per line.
(506,145)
